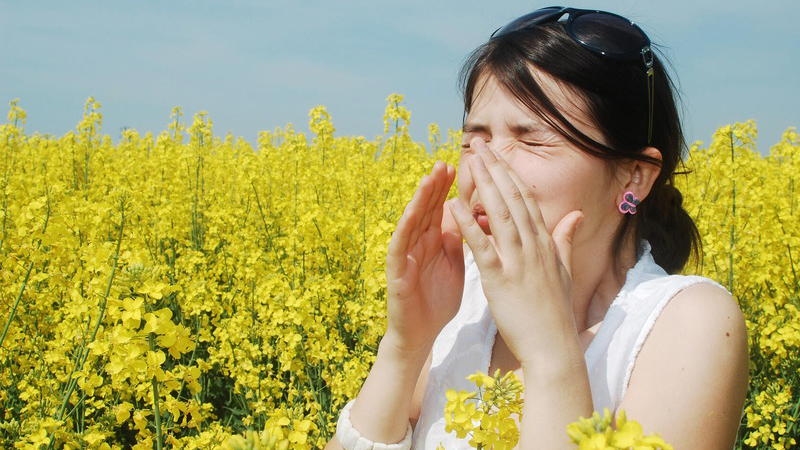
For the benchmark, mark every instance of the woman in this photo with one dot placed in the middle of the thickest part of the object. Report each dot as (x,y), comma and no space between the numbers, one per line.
(572,229)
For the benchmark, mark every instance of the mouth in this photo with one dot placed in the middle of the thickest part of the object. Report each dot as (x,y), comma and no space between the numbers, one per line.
(481,218)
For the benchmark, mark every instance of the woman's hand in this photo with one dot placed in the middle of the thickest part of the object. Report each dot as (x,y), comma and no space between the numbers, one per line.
(424,267)
(525,271)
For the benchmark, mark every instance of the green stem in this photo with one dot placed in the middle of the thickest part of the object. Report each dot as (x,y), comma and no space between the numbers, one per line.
(5,217)
(84,352)
(27,274)
(791,261)
(191,361)
(156,399)
(16,304)
(266,229)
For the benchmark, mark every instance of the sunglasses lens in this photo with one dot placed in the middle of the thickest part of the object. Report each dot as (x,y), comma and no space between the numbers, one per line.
(538,16)
(609,34)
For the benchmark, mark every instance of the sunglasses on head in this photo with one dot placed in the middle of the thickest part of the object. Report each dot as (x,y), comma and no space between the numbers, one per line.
(602,33)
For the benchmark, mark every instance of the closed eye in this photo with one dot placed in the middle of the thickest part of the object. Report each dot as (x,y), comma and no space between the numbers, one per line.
(542,141)
(534,146)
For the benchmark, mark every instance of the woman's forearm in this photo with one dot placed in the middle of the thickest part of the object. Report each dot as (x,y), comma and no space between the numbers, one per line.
(381,410)
(557,392)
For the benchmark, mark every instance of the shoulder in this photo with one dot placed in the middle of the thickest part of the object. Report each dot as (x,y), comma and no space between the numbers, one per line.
(703,309)
(694,364)
(702,323)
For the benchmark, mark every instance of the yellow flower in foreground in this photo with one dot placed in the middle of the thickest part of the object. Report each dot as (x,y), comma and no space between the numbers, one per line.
(488,418)
(596,433)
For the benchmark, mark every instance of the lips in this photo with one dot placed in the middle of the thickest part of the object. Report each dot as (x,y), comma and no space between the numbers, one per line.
(481,218)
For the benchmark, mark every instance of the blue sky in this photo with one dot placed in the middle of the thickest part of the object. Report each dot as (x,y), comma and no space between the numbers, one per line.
(257,65)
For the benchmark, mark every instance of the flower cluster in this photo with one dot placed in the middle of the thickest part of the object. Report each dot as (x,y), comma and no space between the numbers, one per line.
(490,415)
(597,433)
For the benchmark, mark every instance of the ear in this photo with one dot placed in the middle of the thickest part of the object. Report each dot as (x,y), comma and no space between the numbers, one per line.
(641,174)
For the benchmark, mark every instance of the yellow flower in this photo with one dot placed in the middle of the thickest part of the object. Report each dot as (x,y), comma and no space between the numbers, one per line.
(122,412)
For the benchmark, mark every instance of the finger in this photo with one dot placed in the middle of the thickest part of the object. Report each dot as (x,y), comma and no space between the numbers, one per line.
(482,248)
(439,207)
(534,212)
(427,203)
(423,207)
(501,219)
(439,175)
(404,235)
(397,253)
(513,190)
(563,236)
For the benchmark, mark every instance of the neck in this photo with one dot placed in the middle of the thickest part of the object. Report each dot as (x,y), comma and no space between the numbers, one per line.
(597,280)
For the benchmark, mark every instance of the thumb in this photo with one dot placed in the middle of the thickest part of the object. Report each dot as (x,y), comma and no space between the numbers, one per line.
(563,235)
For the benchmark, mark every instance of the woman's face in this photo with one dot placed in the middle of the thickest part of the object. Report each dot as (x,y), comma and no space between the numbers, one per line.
(562,177)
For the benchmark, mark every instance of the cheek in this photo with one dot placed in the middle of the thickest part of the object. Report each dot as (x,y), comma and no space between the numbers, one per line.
(559,191)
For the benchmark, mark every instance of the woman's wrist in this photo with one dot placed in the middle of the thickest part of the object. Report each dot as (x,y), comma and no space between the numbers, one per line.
(351,439)
(382,408)
(392,347)
(553,359)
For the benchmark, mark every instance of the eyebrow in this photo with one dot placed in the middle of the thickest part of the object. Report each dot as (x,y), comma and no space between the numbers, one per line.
(474,128)
(525,128)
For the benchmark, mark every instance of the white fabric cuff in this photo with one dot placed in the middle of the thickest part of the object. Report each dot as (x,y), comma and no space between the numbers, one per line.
(351,439)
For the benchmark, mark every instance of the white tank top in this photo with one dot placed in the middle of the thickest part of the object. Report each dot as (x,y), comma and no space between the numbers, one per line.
(465,344)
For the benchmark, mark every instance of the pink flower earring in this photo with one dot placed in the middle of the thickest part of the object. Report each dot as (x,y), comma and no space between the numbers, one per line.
(629,203)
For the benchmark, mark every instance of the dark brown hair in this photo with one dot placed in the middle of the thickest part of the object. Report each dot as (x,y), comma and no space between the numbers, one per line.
(615,94)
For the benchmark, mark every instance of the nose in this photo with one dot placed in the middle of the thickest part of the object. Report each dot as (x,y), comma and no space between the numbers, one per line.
(499,146)
(478,142)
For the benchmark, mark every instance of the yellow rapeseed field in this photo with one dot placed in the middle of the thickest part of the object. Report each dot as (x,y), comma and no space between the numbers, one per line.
(172,291)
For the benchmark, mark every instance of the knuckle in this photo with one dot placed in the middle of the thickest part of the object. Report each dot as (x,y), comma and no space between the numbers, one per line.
(528,194)
(551,246)
(516,195)
(505,215)
(494,162)
(484,246)
(549,249)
